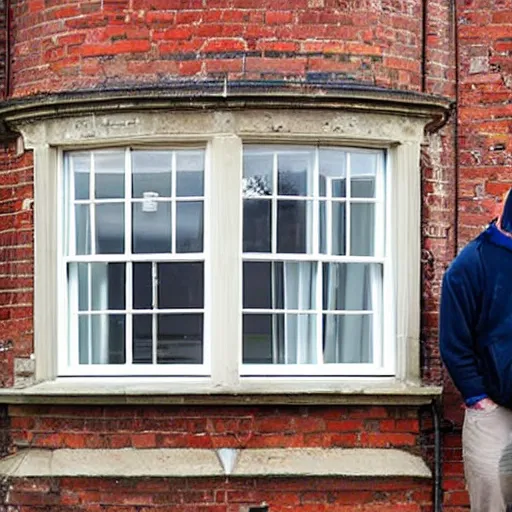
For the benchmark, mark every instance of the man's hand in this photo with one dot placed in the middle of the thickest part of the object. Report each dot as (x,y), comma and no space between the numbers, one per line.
(484,405)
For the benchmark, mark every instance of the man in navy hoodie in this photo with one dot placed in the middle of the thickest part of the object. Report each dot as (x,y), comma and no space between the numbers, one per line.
(475,335)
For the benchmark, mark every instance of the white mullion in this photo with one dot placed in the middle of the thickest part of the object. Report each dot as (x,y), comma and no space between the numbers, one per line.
(92,211)
(380,218)
(142,257)
(316,252)
(73,307)
(128,251)
(274,320)
(154,307)
(273,229)
(328,216)
(181,311)
(254,256)
(348,192)
(174,220)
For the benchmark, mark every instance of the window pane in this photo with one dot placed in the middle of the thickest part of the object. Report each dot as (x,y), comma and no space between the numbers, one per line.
(295,177)
(81,165)
(180,285)
(152,173)
(106,342)
(332,228)
(109,169)
(294,226)
(257,225)
(83,284)
(142,347)
(257,173)
(107,286)
(189,227)
(142,286)
(363,168)
(362,229)
(332,170)
(279,339)
(348,338)
(109,228)
(189,173)
(351,286)
(180,339)
(83,229)
(152,228)
(257,284)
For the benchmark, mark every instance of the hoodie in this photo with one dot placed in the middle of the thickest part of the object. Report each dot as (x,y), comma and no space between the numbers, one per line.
(475,330)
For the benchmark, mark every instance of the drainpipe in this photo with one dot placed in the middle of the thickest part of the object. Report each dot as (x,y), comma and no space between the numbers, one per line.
(438,481)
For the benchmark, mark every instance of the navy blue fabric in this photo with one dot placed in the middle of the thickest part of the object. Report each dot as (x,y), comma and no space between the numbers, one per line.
(475,330)
(506,214)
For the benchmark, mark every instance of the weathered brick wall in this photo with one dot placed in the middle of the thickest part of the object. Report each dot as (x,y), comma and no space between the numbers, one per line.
(69,45)
(75,45)
(219,427)
(219,495)
(16,261)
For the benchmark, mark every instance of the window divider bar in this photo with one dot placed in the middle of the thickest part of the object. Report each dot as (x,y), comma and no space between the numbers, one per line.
(174,220)
(348,212)
(273,214)
(128,250)
(154,308)
(92,208)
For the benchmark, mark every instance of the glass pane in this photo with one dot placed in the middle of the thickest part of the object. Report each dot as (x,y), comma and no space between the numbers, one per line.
(180,339)
(107,286)
(257,284)
(279,285)
(152,173)
(348,338)
(83,339)
(109,228)
(189,173)
(257,180)
(152,228)
(83,285)
(142,286)
(294,175)
(294,226)
(332,170)
(189,227)
(332,228)
(180,285)
(279,339)
(142,341)
(351,286)
(257,225)
(81,165)
(362,229)
(83,229)
(109,174)
(106,344)
(363,168)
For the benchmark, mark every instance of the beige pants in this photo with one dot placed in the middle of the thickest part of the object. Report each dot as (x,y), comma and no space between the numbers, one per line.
(484,436)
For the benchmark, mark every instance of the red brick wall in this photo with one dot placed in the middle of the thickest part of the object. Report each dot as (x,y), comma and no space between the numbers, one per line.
(216,495)
(68,45)
(220,427)
(16,259)
(65,44)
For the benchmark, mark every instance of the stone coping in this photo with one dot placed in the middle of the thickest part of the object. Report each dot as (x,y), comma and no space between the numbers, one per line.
(183,463)
(217,94)
(126,391)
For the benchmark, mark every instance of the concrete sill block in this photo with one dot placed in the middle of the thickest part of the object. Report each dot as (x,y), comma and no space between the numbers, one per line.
(181,463)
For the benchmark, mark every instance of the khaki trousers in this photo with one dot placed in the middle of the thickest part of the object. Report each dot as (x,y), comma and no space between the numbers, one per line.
(485,434)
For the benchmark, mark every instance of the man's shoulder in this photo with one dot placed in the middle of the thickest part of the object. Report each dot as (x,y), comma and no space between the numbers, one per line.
(469,258)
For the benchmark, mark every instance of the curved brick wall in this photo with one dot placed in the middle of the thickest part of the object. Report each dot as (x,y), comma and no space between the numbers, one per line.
(65,44)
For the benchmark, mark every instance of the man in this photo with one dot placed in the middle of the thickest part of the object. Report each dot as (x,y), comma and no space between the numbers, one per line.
(475,335)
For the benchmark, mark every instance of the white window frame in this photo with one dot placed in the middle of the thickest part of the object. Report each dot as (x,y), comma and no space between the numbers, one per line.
(383,349)
(224,132)
(68,348)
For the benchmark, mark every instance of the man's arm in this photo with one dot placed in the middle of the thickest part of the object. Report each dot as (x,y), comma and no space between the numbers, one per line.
(460,309)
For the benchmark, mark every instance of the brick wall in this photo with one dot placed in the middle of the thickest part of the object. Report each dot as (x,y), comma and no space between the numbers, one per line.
(220,427)
(74,45)
(16,260)
(69,45)
(219,495)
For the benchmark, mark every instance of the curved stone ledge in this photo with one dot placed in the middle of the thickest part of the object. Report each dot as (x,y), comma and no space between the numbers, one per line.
(183,463)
